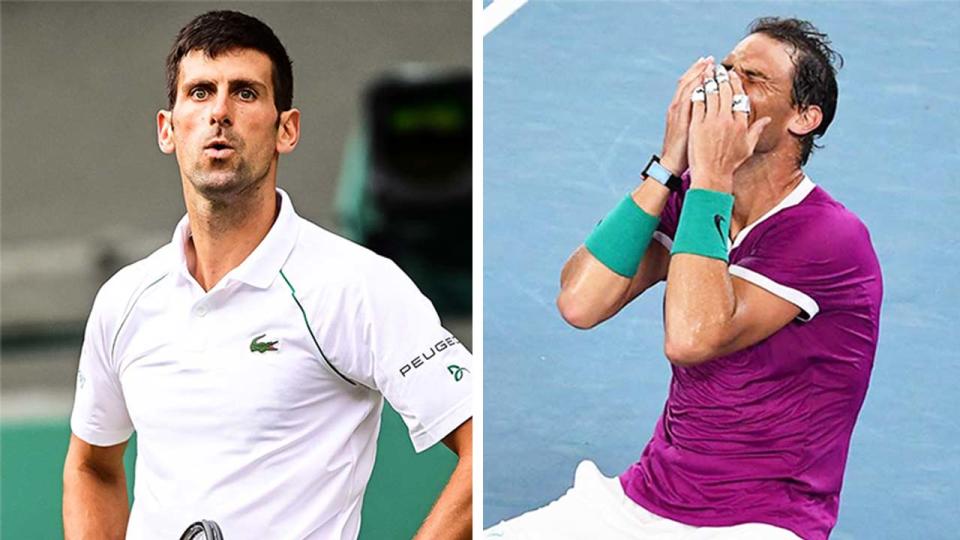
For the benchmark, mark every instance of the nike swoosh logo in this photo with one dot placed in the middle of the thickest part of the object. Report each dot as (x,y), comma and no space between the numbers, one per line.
(718,221)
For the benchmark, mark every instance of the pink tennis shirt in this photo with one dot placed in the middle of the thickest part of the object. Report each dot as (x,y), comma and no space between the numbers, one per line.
(762,435)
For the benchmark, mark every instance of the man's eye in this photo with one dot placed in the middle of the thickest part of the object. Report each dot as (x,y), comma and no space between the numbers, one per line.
(247,95)
(198,93)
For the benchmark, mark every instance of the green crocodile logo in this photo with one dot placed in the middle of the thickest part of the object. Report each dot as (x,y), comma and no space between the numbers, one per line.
(262,346)
(457,371)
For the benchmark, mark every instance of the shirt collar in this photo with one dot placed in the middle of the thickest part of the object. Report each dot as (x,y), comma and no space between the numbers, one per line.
(794,198)
(263,265)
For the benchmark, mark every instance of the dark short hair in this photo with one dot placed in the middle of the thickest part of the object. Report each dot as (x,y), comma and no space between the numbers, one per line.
(815,67)
(217,32)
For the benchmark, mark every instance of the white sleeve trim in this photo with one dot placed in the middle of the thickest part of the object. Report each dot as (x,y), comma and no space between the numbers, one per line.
(795,297)
(427,437)
(667,242)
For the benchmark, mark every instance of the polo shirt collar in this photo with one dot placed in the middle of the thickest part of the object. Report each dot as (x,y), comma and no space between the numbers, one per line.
(262,266)
(795,197)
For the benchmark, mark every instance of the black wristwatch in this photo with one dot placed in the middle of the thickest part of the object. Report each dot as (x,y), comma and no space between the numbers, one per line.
(660,173)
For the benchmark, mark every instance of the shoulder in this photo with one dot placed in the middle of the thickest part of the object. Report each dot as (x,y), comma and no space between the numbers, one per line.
(120,289)
(119,293)
(824,221)
(324,259)
(347,282)
(818,229)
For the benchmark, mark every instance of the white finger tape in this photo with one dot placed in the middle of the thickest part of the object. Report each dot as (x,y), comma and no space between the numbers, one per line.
(711,86)
(741,103)
(721,74)
(698,95)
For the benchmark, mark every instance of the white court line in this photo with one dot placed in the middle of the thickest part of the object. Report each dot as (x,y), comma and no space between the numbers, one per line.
(498,11)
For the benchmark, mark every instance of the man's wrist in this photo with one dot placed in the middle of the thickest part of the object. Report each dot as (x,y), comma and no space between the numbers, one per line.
(671,164)
(713,181)
(659,173)
(620,239)
(704,227)
(655,187)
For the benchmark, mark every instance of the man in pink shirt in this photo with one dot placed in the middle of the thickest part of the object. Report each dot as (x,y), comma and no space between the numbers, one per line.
(771,311)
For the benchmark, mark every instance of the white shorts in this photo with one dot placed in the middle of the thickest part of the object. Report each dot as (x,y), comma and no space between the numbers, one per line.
(596,507)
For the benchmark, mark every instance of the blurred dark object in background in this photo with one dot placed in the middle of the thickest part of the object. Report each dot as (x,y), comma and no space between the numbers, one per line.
(406,183)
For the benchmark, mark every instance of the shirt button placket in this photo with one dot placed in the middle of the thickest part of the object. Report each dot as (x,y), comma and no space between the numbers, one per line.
(198,323)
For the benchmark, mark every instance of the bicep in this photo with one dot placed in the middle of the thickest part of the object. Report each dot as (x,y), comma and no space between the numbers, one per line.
(758,314)
(105,461)
(460,440)
(419,367)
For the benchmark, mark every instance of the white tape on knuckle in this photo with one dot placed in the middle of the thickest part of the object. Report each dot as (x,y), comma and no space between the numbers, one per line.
(741,103)
(698,95)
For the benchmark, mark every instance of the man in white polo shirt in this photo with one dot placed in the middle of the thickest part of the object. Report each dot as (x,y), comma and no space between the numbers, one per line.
(252,353)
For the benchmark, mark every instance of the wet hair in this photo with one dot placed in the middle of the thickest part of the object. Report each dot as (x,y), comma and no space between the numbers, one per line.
(815,67)
(218,32)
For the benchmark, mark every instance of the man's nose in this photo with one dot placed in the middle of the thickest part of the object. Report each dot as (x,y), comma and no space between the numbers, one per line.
(220,112)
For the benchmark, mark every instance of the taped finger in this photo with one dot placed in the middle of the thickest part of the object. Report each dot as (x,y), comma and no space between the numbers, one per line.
(692,76)
(721,74)
(698,95)
(741,103)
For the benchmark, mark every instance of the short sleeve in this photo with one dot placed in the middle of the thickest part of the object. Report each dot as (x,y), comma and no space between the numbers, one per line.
(816,262)
(100,414)
(670,216)
(422,370)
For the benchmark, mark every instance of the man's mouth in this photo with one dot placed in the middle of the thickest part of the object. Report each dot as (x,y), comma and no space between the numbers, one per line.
(218,149)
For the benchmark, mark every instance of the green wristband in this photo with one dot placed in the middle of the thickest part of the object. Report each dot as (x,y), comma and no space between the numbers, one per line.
(620,240)
(704,227)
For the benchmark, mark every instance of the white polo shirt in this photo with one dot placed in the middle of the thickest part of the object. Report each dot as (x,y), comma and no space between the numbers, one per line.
(257,404)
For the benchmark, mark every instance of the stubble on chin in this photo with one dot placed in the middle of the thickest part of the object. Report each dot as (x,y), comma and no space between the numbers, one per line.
(225,196)
(221,185)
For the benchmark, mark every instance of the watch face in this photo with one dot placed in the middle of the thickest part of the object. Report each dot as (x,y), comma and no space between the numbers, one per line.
(658,172)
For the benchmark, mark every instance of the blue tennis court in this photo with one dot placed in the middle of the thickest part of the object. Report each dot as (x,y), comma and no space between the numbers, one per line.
(574,102)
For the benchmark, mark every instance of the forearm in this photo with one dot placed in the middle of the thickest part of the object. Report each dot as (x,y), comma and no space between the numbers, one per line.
(698,307)
(94,506)
(452,514)
(590,292)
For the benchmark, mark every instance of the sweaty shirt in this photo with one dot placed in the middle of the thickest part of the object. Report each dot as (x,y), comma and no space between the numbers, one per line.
(762,434)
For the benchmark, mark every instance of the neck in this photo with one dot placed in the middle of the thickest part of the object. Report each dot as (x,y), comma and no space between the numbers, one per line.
(759,184)
(225,231)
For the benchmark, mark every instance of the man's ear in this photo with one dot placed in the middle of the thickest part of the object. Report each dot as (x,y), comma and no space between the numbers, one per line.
(165,132)
(288,132)
(806,121)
